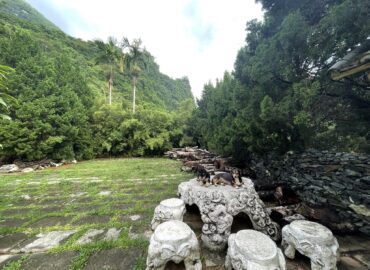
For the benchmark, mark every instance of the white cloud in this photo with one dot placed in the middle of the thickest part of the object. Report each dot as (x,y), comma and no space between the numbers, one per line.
(194,38)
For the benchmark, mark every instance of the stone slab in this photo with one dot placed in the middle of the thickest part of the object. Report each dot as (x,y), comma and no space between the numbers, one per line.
(58,261)
(113,259)
(51,221)
(5,259)
(112,234)
(7,242)
(89,236)
(13,223)
(46,241)
(92,220)
(16,211)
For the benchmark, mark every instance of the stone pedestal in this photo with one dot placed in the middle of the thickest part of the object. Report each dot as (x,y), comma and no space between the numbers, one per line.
(312,240)
(170,209)
(219,204)
(173,241)
(252,250)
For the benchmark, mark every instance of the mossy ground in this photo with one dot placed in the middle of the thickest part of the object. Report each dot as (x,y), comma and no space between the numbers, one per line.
(74,197)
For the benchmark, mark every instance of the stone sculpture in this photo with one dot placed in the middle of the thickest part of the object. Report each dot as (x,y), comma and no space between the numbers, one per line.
(170,209)
(219,204)
(173,241)
(252,250)
(312,240)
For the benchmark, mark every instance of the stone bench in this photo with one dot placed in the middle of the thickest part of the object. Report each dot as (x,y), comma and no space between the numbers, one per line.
(170,209)
(173,241)
(252,250)
(312,240)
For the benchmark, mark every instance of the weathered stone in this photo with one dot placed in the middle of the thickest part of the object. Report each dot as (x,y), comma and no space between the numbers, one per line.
(105,193)
(92,220)
(219,204)
(89,236)
(112,234)
(5,259)
(27,170)
(252,250)
(169,209)
(312,240)
(9,168)
(113,259)
(51,221)
(58,261)
(135,217)
(173,241)
(46,241)
(7,242)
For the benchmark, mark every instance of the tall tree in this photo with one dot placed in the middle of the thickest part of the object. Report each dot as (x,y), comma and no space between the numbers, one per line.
(134,56)
(110,54)
(4,71)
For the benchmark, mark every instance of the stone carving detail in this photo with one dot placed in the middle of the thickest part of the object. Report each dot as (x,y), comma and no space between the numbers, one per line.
(173,241)
(252,250)
(219,204)
(312,240)
(170,209)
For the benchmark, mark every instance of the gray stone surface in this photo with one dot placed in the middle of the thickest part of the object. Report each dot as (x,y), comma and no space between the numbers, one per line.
(27,170)
(135,217)
(312,240)
(7,242)
(113,259)
(169,209)
(173,241)
(8,258)
(89,236)
(9,168)
(59,261)
(51,221)
(112,234)
(46,241)
(252,250)
(92,220)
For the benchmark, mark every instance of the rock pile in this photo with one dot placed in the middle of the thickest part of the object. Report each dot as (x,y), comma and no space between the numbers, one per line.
(335,186)
(21,166)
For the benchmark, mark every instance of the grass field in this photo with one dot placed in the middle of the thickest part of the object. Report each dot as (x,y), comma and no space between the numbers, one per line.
(98,194)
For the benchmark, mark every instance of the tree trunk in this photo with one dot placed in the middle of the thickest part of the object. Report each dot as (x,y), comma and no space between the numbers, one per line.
(110,84)
(134,95)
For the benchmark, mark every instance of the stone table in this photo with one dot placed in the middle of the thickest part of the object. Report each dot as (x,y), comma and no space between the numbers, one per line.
(312,240)
(219,204)
(252,250)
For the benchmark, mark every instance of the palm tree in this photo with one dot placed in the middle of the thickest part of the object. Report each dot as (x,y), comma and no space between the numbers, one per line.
(110,54)
(4,71)
(134,56)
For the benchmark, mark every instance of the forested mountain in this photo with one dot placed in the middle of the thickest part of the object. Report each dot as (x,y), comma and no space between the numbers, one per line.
(280,97)
(61,108)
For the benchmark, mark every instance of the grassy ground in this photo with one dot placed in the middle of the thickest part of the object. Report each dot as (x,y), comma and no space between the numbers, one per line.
(67,198)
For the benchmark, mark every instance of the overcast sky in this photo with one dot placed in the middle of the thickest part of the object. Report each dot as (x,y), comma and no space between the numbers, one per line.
(194,38)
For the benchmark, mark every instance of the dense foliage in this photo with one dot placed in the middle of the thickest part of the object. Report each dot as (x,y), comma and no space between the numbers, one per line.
(280,97)
(62,109)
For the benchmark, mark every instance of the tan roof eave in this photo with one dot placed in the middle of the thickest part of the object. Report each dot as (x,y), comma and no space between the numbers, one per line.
(337,75)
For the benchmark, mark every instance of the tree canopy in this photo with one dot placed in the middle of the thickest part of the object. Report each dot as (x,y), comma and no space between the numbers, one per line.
(280,97)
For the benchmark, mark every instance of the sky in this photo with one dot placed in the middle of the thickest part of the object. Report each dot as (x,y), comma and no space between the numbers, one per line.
(194,38)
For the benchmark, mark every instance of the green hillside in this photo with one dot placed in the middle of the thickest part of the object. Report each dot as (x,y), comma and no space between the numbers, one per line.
(61,90)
